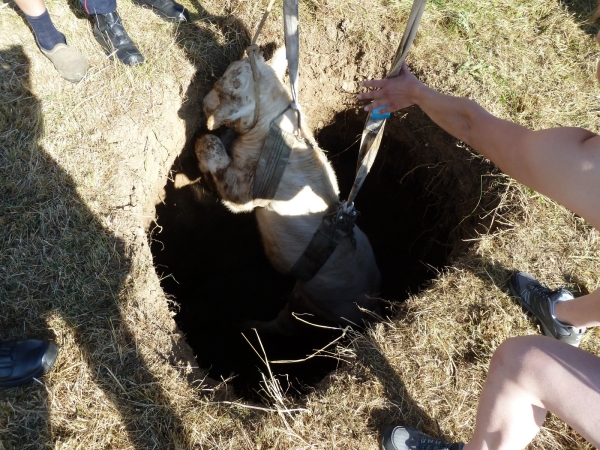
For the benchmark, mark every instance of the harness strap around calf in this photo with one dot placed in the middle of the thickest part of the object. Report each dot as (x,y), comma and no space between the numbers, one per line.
(273,158)
(333,230)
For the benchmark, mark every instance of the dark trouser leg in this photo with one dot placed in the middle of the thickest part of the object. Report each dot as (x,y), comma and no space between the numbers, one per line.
(99,6)
(167,9)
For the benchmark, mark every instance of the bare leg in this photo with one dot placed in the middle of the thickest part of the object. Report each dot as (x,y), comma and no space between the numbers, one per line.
(529,376)
(31,7)
(582,312)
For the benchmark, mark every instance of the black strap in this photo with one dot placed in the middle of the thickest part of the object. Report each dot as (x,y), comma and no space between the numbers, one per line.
(271,164)
(333,229)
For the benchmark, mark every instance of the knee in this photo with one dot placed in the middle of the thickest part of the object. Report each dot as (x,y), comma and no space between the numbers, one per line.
(517,356)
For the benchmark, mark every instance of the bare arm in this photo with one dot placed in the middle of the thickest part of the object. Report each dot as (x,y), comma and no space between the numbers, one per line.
(561,163)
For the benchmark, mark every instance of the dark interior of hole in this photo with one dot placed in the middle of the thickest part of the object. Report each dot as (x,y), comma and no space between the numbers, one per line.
(211,261)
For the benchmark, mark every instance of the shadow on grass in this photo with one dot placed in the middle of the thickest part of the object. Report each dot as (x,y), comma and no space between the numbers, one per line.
(582,11)
(61,274)
(400,408)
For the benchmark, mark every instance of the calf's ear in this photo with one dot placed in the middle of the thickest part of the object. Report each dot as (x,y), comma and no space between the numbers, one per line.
(279,62)
(219,116)
(237,115)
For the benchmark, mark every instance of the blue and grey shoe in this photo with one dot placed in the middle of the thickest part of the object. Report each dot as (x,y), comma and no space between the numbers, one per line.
(404,438)
(539,300)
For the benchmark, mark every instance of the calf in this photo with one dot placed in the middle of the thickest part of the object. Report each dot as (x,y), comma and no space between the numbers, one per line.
(342,290)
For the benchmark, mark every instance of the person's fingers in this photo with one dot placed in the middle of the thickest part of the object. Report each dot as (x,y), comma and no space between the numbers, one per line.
(369,95)
(373,83)
(388,109)
(375,104)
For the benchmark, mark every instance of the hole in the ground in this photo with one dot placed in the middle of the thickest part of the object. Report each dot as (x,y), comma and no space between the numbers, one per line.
(212,263)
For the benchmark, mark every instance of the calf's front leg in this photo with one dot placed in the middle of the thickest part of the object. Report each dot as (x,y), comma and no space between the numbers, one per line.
(232,181)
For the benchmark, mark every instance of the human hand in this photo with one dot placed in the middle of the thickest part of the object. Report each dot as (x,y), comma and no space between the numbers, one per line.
(397,93)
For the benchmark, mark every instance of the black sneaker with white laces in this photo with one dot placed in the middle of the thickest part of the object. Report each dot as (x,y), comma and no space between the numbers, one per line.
(539,300)
(404,438)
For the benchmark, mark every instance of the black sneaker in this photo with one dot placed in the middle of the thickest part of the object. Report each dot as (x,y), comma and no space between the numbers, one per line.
(110,34)
(404,438)
(539,300)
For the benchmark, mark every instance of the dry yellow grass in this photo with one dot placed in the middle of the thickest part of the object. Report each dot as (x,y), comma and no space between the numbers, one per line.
(81,165)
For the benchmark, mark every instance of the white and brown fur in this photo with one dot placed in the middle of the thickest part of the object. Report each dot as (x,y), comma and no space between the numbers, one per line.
(308,191)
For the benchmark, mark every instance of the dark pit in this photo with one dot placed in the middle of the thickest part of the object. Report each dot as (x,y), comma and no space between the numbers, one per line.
(211,262)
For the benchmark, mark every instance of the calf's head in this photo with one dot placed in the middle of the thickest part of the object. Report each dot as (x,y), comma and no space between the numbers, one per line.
(232,101)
